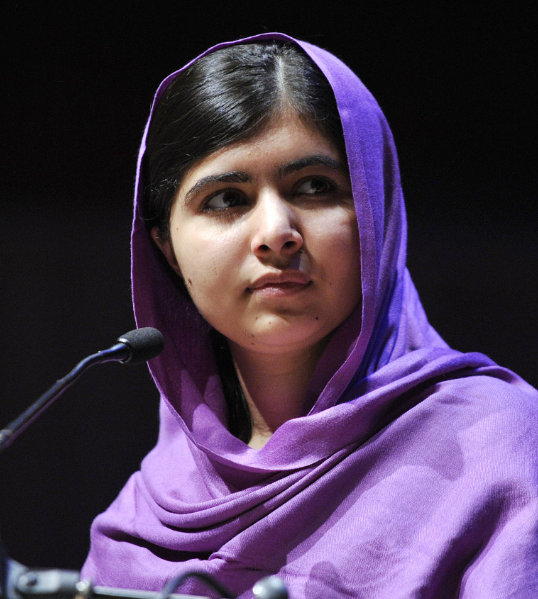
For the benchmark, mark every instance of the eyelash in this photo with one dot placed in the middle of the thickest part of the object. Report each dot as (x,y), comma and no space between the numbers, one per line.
(329,185)
(206,207)
(240,198)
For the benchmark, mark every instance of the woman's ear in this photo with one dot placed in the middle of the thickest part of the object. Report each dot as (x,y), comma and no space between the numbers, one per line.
(166,248)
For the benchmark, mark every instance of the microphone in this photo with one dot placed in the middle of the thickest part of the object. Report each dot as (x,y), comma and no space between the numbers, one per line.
(134,347)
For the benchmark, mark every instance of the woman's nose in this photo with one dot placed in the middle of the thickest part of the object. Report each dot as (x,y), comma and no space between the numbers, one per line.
(275,228)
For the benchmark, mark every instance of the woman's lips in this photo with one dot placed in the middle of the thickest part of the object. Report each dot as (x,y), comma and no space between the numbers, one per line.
(281,284)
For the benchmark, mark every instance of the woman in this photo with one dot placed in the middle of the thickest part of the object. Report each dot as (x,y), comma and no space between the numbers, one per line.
(313,424)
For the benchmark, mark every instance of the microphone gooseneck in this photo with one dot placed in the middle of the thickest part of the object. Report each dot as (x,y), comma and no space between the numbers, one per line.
(134,347)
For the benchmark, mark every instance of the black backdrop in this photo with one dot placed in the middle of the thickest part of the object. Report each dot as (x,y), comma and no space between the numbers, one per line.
(77,82)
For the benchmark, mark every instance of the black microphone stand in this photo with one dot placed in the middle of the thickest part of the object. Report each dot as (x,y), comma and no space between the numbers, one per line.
(133,347)
(17,426)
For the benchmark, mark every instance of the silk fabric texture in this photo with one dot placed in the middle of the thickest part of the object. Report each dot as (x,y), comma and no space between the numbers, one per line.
(412,472)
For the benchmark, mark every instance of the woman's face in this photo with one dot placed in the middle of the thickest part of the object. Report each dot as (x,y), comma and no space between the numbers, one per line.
(264,234)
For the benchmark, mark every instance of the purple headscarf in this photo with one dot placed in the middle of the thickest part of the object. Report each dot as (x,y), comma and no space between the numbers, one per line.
(413,472)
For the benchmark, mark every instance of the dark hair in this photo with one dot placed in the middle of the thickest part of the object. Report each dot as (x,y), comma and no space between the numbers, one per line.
(224,97)
(227,96)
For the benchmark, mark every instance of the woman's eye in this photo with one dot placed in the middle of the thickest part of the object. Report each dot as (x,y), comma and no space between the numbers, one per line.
(315,186)
(225,199)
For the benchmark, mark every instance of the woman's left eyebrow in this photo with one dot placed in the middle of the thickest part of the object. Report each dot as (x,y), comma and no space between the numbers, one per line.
(307,161)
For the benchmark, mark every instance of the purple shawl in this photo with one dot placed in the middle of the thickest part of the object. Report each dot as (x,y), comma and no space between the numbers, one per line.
(413,472)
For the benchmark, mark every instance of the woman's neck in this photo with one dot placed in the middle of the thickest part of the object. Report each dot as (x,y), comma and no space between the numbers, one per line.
(274,385)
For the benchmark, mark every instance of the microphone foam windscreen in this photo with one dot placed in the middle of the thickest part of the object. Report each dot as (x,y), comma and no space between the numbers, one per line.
(145,344)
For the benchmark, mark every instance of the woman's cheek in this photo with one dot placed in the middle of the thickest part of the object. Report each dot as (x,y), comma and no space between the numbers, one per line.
(207,284)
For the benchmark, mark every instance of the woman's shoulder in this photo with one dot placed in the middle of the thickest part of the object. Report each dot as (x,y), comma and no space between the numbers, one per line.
(493,415)
(491,389)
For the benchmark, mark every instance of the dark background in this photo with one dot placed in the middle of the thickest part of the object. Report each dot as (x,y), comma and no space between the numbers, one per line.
(77,82)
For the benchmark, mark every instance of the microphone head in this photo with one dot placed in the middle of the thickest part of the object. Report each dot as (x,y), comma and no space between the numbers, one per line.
(144,344)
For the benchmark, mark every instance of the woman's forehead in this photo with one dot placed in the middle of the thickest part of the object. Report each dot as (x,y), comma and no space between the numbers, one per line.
(284,145)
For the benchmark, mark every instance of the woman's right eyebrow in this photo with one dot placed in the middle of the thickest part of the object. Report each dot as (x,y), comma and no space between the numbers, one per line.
(315,160)
(230,177)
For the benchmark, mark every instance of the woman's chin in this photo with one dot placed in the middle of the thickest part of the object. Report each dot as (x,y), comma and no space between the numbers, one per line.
(277,335)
